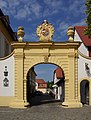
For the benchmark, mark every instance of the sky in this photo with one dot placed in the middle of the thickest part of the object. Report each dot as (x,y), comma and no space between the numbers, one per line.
(31,13)
(45,71)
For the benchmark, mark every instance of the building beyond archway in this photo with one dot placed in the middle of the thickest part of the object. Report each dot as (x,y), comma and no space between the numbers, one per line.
(63,54)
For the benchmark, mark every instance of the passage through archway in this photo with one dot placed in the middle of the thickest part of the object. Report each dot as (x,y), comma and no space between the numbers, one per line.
(42,78)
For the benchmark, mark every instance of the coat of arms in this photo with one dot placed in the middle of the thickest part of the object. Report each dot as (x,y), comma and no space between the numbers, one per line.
(45,31)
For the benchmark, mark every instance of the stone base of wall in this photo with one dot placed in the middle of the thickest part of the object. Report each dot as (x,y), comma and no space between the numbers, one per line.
(72,104)
(5,100)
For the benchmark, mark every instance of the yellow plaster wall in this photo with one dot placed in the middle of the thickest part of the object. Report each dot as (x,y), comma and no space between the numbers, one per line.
(5,101)
(62,54)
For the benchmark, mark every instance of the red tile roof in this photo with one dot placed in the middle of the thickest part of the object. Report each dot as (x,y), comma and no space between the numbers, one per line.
(85,39)
(40,81)
(59,73)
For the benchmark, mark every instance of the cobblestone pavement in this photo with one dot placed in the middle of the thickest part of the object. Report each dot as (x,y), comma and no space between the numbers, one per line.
(45,108)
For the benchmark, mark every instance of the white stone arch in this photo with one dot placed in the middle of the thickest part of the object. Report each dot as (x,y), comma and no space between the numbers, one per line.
(79,82)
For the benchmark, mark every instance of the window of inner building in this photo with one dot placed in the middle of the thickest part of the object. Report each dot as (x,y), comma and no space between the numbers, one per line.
(40,85)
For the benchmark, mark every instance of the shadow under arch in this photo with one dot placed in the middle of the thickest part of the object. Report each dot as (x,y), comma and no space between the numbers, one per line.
(30,89)
(31,76)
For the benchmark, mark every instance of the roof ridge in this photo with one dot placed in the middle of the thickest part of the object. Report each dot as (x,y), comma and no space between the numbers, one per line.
(85,39)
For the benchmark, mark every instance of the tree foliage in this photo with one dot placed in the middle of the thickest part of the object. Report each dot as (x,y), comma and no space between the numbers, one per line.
(88,19)
(49,84)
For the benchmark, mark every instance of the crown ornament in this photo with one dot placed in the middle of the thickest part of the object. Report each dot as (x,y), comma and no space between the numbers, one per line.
(45,31)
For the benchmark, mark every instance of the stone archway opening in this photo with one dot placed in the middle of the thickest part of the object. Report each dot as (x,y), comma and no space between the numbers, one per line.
(52,75)
(63,54)
(84,92)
